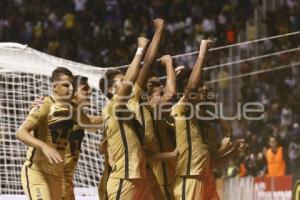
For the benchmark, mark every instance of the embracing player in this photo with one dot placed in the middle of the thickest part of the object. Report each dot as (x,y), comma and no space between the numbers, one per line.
(81,98)
(51,123)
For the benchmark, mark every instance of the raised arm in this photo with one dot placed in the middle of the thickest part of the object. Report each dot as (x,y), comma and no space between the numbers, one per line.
(226,128)
(133,71)
(170,89)
(25,136)
(195,78)
(151,54)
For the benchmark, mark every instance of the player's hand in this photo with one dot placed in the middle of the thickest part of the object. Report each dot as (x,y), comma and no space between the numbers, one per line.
(179,70)
(210,43)
(103,146)
(166,59)
(52,155)
(205,45)
(243,146)
(142,42)
(240,145)
(226,144)
(158,24)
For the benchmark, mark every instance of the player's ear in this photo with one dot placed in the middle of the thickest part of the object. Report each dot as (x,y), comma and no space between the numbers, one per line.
(54,87)
(75,92)
(112,90)
(149,97)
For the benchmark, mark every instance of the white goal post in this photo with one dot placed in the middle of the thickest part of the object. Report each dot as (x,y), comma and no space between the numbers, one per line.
(24,76)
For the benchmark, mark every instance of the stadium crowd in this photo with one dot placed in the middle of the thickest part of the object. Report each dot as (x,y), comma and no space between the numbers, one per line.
(103,33)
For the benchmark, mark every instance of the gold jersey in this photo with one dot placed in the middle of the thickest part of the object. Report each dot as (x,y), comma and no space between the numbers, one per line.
(73,150)
(194,156)
(209,133)
(125,149)
(165,134)
(143,114)
(55,121)
(156,135)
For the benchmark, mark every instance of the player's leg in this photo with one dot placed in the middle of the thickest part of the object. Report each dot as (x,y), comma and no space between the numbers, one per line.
(68,187)
(35,184)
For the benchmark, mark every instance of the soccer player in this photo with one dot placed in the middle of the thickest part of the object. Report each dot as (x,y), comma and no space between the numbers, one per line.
(210,137)
(51,124)
(193,160)
(81,97)
(143,111)
(219,153)
(164,136)
(127,179)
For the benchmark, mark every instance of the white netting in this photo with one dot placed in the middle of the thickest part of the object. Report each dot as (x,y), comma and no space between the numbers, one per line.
(24,76)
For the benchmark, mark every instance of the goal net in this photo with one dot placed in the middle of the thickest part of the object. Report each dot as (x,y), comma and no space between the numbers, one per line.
(24,76)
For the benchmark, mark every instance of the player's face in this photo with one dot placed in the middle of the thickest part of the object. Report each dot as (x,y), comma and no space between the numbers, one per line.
(118,80)
(273,142)
(64,88)
(153,79)
(83,93)
(156,96)
(205,94)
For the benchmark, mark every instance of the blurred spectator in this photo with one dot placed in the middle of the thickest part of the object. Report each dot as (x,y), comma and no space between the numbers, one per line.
(103,33)
(275,159)
(105,30)
(251,30)
(231,35)
(294,158)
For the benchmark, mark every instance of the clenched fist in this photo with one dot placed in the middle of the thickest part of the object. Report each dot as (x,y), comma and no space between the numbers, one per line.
(158,24)
(166,59)
(142,42)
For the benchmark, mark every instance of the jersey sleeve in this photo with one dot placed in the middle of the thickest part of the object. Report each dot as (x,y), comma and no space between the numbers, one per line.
(134,101)
(108,110)
(115,110)
(38,113)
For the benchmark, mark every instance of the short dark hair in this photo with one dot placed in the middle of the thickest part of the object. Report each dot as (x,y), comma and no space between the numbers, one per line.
(153,74)
(108,80)
(58,72)
(80,80)
(151,85)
